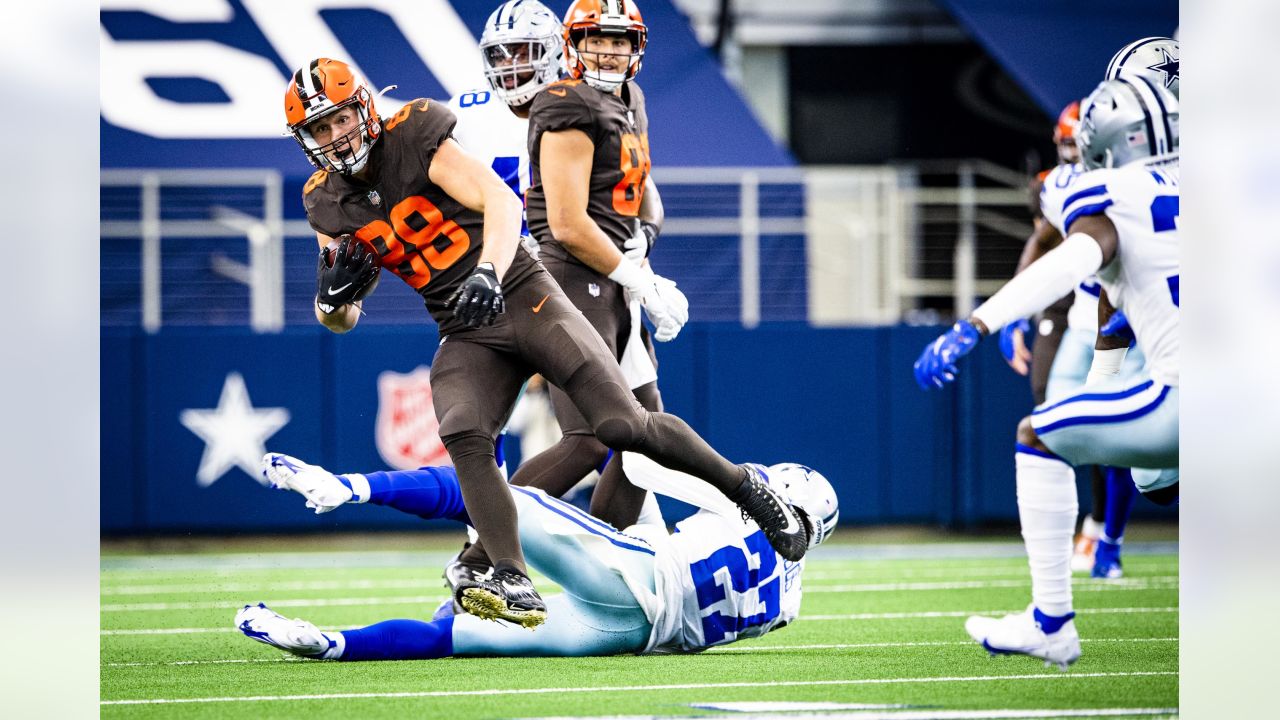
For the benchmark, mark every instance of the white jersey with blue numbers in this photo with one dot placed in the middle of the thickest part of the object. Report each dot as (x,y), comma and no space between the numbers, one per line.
(1083,314)
(1142,279)
(489,130)
(718,580)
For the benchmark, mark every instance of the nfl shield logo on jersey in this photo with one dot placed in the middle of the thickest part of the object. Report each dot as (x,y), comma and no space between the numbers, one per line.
(408,433)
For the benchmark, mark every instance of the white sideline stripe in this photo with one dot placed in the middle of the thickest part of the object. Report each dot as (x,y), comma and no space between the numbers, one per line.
(747,714)
(299,602)
(732,648)
(265,585)
(1009,571)
(640,688)
(967,613)
(858,616)
(1165,582)
(1145,583)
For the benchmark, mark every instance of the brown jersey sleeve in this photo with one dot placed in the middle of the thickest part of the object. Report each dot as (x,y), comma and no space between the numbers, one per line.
(560,108)
(422,125)
(320,201)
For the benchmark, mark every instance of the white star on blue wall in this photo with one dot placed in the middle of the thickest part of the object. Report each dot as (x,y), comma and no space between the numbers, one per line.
(234,433)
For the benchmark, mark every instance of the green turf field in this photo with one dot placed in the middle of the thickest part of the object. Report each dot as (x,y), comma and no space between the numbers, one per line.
(881,625)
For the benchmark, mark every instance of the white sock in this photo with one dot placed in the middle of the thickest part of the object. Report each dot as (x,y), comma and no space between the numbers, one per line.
(359,487)
(339,647)
(1047,509)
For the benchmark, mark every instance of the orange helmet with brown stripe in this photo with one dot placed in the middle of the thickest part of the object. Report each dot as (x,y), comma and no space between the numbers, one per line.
(1064,133)
(323,89)
(586,18)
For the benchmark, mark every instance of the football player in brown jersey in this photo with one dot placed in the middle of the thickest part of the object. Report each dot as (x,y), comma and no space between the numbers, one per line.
(589,156)
(404,196)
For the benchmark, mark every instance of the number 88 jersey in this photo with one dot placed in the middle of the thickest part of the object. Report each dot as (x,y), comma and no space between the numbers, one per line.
(618,127)
(721,581)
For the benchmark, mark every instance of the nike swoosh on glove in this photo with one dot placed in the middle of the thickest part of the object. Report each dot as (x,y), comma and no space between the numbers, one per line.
(345,274)
(937,364)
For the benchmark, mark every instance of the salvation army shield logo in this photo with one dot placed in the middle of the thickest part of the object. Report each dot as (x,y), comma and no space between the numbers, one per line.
(407,432)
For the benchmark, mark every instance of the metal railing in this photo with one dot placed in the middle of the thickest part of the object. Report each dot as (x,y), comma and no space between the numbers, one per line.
(828,245)
(202,214)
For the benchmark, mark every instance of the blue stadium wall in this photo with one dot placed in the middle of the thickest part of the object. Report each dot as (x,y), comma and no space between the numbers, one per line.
(840,400)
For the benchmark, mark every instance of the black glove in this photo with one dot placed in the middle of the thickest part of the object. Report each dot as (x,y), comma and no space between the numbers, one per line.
(478,300)
(344,274)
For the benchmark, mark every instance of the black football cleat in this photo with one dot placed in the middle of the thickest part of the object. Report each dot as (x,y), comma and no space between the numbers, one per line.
(508,595)
(459,575)
(782,524)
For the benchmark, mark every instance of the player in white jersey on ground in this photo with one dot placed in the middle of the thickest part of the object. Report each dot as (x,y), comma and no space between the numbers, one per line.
(1120,221)
(642,590)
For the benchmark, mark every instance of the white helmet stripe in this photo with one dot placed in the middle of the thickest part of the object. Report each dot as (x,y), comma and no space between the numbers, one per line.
(1160,134)
(1164,114)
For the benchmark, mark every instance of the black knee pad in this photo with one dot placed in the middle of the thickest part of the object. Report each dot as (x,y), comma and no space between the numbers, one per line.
(1164,496)
(621,432)
(466,445)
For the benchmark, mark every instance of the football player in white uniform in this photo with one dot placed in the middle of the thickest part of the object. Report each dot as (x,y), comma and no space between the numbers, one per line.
(1120,222)
(642,590)
(1069,356)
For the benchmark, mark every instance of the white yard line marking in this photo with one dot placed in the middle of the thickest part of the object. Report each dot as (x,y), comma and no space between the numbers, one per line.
(967,613)
(758,711)
(1160,582)
(856,616)
(300,602)
(639,688)
(268,585)
(720,649)
(1167,582)
(1018,570)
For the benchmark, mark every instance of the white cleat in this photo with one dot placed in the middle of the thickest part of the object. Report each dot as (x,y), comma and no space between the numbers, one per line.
(322,489)
(261,623)
(1020,634)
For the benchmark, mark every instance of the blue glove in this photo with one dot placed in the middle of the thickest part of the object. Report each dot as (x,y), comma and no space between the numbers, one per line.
(937,364)
(1006,337)
(1118,326)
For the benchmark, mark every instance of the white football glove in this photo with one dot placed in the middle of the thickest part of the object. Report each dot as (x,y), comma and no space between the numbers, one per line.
(323,491)
(666,306)
(636,247)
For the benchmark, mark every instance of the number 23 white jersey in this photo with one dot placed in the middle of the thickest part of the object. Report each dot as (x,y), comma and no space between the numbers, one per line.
(1142,279)
(719,581)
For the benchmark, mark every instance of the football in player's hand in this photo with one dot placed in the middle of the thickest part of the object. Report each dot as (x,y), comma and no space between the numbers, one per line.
(357,253)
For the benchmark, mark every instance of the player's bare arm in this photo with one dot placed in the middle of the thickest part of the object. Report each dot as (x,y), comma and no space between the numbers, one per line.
(567,157)
(1043,238)
(468,181)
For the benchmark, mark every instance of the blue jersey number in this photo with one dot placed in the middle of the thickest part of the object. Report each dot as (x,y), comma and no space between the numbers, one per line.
(473,98)
(717,626)
(1164,213)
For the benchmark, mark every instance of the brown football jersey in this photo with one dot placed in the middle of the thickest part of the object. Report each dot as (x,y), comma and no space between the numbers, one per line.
(421,233)
(619,128)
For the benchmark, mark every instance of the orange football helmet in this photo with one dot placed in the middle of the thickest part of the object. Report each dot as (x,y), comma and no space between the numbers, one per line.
(604,17)
(323,87)
(1064,133)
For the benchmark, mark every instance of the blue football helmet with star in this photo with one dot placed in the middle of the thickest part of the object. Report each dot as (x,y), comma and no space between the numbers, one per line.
(1155,58)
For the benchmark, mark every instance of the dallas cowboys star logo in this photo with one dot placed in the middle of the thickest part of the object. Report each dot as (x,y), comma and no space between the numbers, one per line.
(234,433)
(1168,66)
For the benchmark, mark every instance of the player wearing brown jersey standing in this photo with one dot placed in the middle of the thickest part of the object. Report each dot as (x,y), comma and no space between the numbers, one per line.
(450,228)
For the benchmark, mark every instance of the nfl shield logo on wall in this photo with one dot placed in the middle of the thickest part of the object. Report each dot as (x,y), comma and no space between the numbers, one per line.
(408,433)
